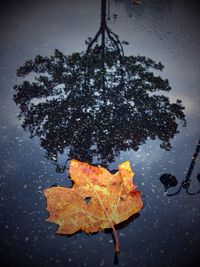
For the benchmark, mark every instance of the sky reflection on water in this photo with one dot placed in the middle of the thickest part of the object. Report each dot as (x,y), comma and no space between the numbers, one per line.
(167,231)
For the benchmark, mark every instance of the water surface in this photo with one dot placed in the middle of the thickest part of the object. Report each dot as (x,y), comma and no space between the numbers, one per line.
(167,231)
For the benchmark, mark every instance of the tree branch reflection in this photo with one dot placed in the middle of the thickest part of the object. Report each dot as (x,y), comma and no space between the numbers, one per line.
(95,104)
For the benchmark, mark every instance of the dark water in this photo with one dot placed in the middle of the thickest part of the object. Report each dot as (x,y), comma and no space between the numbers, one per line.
(104,115)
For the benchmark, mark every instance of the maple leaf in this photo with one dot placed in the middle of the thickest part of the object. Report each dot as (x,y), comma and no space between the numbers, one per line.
(97,200)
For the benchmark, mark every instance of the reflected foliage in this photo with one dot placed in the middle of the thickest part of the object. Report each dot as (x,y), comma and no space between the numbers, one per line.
(97,103)
(92,111)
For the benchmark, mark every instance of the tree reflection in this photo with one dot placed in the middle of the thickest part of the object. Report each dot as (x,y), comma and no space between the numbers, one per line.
(96,103)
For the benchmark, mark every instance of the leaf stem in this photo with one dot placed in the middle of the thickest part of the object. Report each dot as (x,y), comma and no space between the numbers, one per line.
(117,250)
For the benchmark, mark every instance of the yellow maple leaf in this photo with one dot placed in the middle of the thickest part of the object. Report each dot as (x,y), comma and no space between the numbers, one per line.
(97,200)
